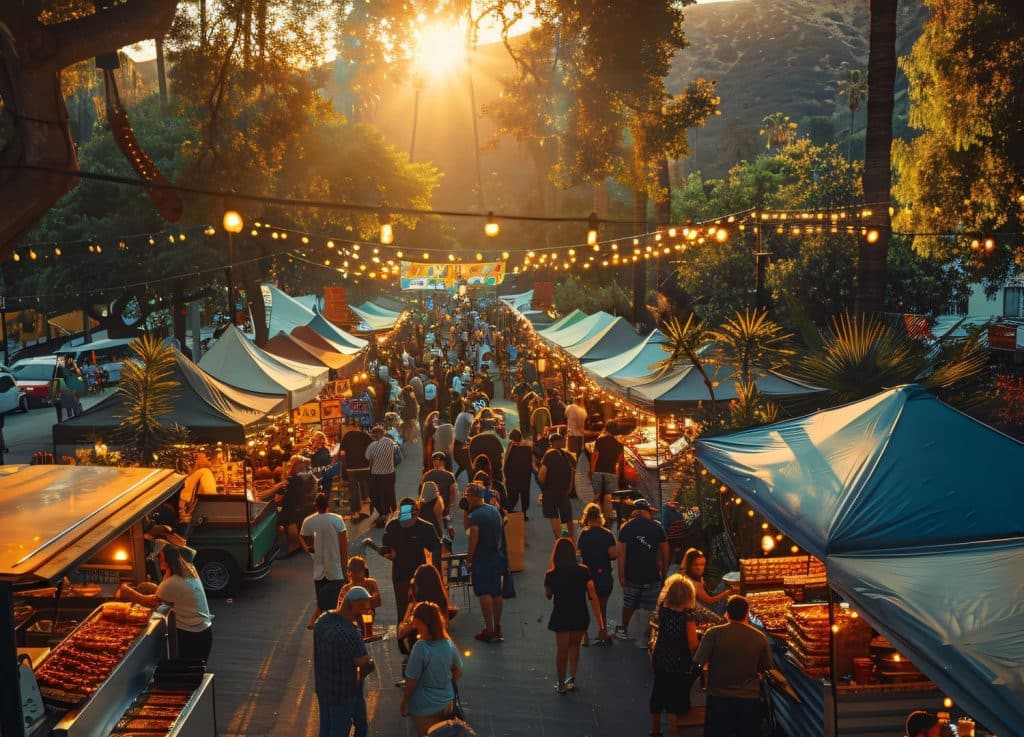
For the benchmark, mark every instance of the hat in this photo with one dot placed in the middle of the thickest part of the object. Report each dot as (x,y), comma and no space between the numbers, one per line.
(377,429)
(438,455)
(643,504)
(555,436)
(166,534)
(357,593)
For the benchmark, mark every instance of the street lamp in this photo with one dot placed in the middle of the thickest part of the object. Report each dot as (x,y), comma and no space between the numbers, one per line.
(233,224)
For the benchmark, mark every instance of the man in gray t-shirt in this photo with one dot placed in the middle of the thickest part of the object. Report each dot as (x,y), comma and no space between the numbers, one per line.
(736,654)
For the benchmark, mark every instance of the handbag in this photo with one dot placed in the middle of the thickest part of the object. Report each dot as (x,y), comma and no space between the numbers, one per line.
(508,586)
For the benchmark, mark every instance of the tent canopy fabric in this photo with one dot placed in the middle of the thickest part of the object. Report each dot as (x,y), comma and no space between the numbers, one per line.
(635,363)
(518,302)
(579,331)
(210,409)
(375,309)
(325,328)
(563,322)
(618,337)
(309,301)
(894,493)
(286,312)
(376,318)
(685,385)
(309,338)
(237,362)
(295,349)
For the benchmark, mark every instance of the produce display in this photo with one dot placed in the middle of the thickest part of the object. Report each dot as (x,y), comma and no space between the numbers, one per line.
(771,607)
(771,572)
(83,661)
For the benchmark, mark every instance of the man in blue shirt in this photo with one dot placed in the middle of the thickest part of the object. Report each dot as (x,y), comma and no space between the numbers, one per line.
(486,560)
(339,664)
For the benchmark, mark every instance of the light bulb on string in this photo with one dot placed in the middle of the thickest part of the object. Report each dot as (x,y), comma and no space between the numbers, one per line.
(592,225)
(491,227)
(387,230)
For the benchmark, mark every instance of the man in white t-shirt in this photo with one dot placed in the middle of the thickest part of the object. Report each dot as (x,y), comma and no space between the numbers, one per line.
(575,424)
(324,537)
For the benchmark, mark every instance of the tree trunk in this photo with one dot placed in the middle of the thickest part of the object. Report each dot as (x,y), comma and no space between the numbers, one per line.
(38,161)
(640,267)
(161,72)
(871,262)
(663,216)
(202,24)
(179,311)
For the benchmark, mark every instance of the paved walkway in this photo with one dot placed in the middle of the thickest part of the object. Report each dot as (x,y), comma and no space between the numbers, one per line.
(262,656)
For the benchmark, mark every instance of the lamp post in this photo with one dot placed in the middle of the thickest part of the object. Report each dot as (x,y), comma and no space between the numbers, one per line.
(233,224)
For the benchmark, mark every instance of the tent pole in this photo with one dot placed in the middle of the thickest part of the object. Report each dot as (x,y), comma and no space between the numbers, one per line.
(832,652)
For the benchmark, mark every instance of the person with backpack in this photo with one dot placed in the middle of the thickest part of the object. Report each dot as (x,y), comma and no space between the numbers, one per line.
(557,478)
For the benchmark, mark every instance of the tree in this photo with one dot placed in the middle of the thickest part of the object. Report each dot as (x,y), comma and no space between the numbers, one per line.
(683,344)
(964,173)
(35,46)
(778,130)
(750,339)
(853,87)
(871,258)
(148,389)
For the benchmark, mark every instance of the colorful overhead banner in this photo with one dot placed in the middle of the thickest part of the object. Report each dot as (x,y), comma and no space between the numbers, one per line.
(432,276)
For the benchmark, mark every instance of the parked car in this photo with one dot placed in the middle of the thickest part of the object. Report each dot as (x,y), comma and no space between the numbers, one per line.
(33,376)
(12,398)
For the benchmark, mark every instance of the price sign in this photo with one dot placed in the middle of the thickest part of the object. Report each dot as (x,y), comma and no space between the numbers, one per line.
(307,414)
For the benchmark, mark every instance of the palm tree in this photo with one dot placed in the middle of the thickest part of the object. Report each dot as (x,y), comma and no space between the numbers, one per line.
(853,88)
(871,261)
(149,389)
(683,344)
(777,129)
(862,355)
(752,340)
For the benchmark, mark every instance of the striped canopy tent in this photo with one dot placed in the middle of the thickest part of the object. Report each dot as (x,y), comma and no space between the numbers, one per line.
(579,331)
(636,363)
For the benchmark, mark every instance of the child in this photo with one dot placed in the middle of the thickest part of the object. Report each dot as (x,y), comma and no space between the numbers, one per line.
(359,575)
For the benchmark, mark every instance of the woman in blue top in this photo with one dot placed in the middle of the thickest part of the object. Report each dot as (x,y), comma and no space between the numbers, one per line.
(434,665)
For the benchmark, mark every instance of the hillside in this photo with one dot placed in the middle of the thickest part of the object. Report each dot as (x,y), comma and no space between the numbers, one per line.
(781,55)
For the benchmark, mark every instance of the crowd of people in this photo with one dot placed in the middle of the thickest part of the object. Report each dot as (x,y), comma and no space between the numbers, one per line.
(444,405)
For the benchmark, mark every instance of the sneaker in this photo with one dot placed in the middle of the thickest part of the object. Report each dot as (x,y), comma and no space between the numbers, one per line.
(484,635)
(620,633)
(561,688)
(570,683)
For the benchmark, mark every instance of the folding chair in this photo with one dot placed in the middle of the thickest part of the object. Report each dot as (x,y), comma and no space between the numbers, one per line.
(456,575)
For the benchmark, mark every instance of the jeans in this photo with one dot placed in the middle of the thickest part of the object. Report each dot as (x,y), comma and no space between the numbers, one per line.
(728,716)
(358,488)
(337,719)
(382,493)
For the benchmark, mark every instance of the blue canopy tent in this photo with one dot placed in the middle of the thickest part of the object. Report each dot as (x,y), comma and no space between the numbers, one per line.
(685,386)
(579,331)
(618,337)
(326,329)
(917,512)
(563,322)
(635,363)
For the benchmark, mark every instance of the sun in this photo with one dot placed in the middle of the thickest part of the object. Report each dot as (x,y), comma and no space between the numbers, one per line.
(440,48)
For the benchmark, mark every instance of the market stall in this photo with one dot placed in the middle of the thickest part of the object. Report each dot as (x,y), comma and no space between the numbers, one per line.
(322,326)
(236,361)
(616,338)
(907,503)
(579,331)
(288,346)
(637,363)
(211,410)
(686,386)
(74,535)
(563,322)
(284,311)
(373,319)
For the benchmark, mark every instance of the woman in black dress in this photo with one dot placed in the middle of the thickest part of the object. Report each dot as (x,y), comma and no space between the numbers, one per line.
(598,549)
(673,653)
(570,584)
(517,469)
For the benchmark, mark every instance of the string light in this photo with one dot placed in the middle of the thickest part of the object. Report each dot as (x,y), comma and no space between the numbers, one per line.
(592,223)
(491,227)
(387,231)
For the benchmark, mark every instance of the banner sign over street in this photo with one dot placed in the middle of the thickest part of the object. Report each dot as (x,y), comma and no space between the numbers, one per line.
(435,276)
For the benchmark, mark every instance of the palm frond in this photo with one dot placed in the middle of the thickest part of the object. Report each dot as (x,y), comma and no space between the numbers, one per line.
(149,390)
(753,340)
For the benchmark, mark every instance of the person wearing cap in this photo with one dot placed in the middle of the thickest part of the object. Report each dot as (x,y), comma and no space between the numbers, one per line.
(486,559)
(182,589)
(340,663)
(381,455)
(643,557)
(922,724)
(736,655)
(410,539)
(324,536)
(557,478)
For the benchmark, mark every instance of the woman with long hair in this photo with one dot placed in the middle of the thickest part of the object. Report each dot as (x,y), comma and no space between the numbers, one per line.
(426,585)
(672,656)
(570,585)
(433,668)
(692,567)
(598,549)
(410,412)
(431,507)
(181,588)
(296,500)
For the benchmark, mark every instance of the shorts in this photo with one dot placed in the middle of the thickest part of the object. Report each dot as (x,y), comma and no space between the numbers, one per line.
(604,483)
(641,596)
(557,506)
(486,577)
(576,444)
(327,592)
(603,583)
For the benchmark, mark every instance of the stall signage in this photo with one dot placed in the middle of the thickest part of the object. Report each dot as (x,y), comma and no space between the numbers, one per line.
(307,414)
(434,276)
(1002,337)
(330,409)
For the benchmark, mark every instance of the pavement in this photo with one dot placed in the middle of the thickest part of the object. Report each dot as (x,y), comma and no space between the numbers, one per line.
(262,654)
(29,432)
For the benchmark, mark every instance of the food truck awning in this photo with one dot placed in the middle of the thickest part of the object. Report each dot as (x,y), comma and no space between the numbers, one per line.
(55,517)
(917,512)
